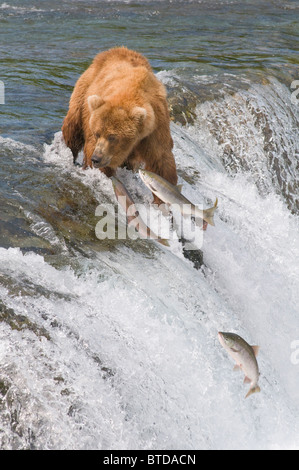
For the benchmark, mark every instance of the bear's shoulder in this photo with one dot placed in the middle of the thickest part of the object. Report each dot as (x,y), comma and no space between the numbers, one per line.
(122,54)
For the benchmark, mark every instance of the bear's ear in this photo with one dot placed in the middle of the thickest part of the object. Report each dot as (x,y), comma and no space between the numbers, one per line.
(139,113)
(94,102)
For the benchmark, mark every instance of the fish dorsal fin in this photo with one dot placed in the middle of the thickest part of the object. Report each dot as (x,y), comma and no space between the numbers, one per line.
(255,350)
(179,187)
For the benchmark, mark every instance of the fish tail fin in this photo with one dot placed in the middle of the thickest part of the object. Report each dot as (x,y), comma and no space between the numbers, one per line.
(253,390)
(208,214)
(163,241)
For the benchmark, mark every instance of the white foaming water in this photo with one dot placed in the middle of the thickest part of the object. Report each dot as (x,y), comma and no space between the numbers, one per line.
(254,131)
(132,359)
(29,8)
(6,142)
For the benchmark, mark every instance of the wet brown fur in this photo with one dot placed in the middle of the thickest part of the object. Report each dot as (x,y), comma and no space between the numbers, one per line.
(118,109)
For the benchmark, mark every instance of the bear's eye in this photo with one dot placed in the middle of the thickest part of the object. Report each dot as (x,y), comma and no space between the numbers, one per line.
(97,135)
(112,138)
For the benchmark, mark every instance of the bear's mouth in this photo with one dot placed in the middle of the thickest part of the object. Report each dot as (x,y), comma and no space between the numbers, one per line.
(97,165)
(99,162)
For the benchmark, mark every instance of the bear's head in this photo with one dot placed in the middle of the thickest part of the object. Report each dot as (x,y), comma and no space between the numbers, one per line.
(117,129)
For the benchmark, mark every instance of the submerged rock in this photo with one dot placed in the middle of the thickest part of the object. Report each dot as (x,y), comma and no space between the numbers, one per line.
(20,322)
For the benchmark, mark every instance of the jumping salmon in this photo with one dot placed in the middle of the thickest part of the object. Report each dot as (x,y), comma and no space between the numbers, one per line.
(171,194)
(245,357)
(133,216)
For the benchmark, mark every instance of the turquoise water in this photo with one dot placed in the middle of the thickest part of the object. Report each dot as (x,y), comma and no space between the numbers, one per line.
(113,344)
(45,46)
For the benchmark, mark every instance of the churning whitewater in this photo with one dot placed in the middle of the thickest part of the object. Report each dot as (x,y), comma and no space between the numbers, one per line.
(113,343)
(117,348)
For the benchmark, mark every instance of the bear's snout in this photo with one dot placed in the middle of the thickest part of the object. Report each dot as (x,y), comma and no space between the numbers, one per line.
(100,161)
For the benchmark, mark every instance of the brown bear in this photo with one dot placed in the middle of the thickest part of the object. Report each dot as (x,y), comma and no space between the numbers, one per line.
(118,112)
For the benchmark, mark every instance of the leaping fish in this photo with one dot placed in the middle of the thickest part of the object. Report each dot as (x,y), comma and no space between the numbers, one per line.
(245,357)
(133,216)
(171,194)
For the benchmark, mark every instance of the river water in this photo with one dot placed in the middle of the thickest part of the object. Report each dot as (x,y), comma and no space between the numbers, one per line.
(113,344)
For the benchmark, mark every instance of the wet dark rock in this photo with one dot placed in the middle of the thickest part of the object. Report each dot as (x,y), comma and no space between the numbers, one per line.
(20,322)
(182,106)
(195,256)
